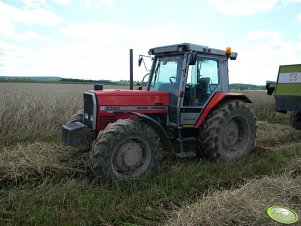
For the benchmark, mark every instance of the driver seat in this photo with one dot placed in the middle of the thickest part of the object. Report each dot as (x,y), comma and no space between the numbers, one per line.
(202,90)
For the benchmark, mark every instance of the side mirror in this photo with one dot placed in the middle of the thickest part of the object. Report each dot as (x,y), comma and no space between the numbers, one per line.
(192,58)
(140,61)
(270,87)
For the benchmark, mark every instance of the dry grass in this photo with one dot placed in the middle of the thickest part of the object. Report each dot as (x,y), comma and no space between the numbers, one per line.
(271,135)
(145,201)
(36,111)
(264,107)
(29,111)
(246,205)
(38,161)
(39,110)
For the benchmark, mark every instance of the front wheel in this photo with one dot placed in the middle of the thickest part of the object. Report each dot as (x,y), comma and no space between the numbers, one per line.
(126,148)
(228,132)
(78,117)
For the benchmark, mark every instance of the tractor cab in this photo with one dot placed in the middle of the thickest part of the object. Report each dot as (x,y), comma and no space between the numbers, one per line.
(191,74)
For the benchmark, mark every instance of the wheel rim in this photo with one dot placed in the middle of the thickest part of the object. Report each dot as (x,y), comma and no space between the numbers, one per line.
(131,157)
(235,136)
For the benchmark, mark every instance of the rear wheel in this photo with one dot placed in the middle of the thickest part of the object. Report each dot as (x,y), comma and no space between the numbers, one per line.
(126,148)
(229,132)
(295,120)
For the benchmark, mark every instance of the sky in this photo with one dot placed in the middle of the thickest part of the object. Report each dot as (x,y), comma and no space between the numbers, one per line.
(90,39)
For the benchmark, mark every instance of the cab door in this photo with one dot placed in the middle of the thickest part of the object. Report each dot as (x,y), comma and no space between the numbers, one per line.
(202,81)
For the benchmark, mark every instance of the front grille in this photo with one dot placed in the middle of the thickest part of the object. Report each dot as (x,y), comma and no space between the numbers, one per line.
(105,120)
(89,110)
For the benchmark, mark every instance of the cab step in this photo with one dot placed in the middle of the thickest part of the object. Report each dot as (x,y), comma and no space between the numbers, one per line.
(186,139)
(181,152)
(189,154)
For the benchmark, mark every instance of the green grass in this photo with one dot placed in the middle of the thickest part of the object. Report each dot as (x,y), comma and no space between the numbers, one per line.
(131,202)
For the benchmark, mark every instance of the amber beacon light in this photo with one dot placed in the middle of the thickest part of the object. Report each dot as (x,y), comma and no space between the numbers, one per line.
(228,51)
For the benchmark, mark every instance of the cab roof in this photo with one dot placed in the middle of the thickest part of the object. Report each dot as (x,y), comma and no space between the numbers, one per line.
(186,47)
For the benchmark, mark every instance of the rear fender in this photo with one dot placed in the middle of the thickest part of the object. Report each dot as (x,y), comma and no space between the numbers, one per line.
(158,128)
(215,100)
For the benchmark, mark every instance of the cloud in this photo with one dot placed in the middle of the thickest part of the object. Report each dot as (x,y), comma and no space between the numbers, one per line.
(299,16)
(96,4)
(14,59)
(293,1)
(43,3)
(102,48)
(290,1)
(248,7)
(104,31)
(98,50)
(23,36)
(261,59)
(242,7)
(35,12)
(62,2)
(11,14)
(33,3)
(31,14)
(261,34)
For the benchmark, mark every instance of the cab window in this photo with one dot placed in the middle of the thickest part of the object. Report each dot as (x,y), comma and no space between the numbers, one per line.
(202,81)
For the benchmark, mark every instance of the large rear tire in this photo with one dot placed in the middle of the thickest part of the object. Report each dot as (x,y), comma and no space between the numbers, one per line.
(126,148)
(228,133)
(295,120)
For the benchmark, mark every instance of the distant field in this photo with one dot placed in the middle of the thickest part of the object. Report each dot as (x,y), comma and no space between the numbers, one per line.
(43,182)
(31,111)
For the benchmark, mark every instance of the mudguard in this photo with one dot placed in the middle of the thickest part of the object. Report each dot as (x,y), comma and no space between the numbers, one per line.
(215,100)
(158,128)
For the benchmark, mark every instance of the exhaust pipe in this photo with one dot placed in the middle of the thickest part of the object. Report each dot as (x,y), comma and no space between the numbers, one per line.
(131,69)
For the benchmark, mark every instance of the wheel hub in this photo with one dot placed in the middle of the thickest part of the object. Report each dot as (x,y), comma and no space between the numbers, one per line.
(129,156)
(231,134)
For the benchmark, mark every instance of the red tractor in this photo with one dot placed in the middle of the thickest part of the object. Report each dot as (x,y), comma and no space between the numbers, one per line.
(186,100)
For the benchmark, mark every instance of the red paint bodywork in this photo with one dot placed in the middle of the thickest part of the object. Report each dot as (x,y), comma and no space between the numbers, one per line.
(127,98)
(216,99)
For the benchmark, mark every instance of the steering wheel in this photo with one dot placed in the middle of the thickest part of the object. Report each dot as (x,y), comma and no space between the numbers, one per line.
(171,78)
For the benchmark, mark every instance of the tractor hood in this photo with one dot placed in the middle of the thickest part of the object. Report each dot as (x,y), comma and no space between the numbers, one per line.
(119,97)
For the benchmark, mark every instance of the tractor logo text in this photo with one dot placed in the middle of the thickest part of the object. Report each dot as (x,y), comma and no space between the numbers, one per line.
(111,108)
(293,77)
(133,108)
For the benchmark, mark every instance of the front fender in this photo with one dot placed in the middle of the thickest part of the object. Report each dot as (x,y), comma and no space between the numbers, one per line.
(158,128)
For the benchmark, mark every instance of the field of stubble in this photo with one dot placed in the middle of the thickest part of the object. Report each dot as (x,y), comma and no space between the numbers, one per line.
(43,182)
